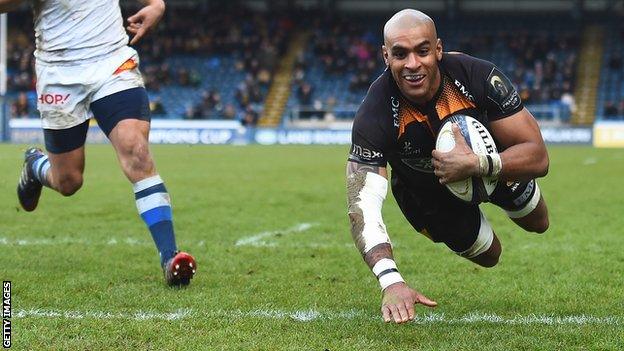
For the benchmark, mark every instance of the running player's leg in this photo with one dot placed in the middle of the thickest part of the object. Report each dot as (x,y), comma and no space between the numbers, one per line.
(65,118)
(124,118)
(66,157)
(524,204)
(61,169)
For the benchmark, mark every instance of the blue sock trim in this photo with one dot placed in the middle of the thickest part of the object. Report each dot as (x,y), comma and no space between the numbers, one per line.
(158,214)
(158,188)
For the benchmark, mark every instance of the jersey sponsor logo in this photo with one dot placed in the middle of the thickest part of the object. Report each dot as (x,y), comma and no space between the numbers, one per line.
(395,110)
(422,164)
(364,153)
(502,92)
(53,99)
(463,90)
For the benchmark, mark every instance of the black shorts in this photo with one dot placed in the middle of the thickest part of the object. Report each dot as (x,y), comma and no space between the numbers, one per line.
(444,218)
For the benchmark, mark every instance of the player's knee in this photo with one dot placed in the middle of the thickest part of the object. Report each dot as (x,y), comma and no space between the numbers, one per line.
(540,226)
(138,157)
(69,184)
(488,261)
(490,257)
(141,155)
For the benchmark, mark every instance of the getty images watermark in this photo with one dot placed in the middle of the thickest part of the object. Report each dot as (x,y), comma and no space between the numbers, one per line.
(6,314)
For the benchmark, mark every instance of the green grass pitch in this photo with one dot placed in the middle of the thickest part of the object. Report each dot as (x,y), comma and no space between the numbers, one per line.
(277,269)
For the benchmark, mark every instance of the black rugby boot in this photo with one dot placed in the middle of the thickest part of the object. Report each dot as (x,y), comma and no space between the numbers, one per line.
(28,187)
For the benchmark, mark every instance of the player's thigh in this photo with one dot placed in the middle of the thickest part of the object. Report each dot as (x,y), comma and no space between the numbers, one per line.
(523,203)
(122,96)
(460,226)
(125,119)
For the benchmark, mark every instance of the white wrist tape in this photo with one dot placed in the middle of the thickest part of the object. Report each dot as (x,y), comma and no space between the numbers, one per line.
(387,273)
(371,199)
(497,165)
(490,165)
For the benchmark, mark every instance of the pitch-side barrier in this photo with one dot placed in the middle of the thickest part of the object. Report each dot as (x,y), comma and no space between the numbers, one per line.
(28,131)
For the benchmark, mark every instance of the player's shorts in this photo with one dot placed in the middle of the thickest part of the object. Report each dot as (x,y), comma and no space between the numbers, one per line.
(459,225)
(68,96)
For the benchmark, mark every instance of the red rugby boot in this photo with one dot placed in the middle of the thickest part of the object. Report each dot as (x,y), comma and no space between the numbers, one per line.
(179,270)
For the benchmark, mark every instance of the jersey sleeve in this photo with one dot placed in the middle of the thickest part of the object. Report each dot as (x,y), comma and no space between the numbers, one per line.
(497,95)
(502,98)
(368,140)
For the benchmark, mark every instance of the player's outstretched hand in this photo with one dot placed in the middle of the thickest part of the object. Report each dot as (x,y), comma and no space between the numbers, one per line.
(397,303)
(457,164)
(145,20)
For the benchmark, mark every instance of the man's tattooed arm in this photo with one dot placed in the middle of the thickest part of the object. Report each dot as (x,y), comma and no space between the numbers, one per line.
(356,181)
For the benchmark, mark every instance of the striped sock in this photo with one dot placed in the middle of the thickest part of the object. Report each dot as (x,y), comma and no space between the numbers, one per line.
(40,169)
(154,205)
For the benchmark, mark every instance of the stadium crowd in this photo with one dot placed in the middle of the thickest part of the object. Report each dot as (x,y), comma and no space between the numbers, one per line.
(340,61)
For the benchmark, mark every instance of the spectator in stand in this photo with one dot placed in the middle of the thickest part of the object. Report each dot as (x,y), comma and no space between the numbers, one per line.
(305,94)
(250,118)
(20,107)
(192,113)
(156,106)
(610,110)
(568,102)
(229,112)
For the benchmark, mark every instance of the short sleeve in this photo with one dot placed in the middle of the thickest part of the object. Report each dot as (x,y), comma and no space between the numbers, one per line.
(368,139)
(501,97)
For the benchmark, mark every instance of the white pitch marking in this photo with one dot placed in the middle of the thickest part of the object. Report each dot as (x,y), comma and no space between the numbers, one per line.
(590,161)
(313,315)
(34,242)
(140,315)
(132,241)
(257,240)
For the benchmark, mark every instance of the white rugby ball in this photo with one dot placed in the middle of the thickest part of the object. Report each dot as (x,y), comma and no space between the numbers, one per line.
(473,189)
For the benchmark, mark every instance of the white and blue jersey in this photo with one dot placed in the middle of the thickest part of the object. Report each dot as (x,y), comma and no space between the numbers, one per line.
(69,31)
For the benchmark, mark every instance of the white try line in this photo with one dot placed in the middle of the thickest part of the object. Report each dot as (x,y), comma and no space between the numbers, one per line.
(139,315)
(314,315)
(258,239)
(146,242)
(254,240)
(71,241)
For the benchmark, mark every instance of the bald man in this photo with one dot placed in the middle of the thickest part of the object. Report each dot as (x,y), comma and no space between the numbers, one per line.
(397,123)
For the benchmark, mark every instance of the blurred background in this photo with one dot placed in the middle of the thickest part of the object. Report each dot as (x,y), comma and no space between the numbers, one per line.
(295,71)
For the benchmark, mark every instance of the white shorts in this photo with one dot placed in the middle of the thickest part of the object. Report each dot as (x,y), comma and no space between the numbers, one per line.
(65,92)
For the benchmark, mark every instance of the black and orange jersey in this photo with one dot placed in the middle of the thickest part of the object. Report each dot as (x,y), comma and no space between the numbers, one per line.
(390,129)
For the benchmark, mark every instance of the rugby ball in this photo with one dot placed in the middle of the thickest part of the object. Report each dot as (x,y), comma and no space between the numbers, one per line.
(474,189)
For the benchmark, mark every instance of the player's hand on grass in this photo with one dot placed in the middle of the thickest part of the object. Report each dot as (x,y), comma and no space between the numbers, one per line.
(145,20)
(397,303)
(459,163)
